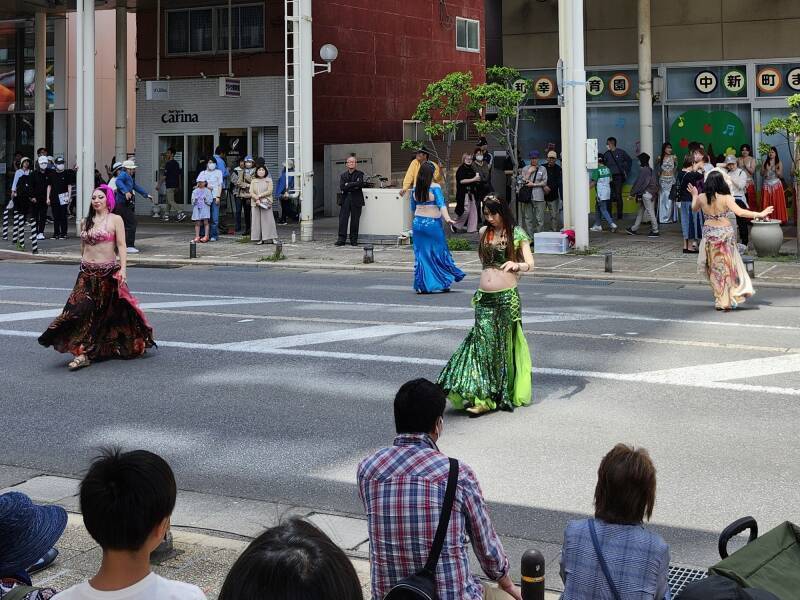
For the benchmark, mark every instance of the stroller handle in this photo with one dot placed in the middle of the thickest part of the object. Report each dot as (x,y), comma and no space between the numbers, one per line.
(735,528)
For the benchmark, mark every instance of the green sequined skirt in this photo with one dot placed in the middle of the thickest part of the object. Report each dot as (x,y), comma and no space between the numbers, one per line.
(492,367)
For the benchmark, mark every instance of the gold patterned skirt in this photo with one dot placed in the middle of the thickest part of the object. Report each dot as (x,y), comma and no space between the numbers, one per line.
(492,366)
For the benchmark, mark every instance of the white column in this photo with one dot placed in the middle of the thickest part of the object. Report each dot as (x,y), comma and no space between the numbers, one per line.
(79,195)
(61,141)
(573,122)
(121,87)
(40,80)
(645,80)
(304,89)
(86,85)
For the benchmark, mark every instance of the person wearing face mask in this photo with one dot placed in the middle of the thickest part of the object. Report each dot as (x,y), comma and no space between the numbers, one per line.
(213,178)
(59,192)
(243,183)
(619,163)
(20,204)
(483,169)
(126,205)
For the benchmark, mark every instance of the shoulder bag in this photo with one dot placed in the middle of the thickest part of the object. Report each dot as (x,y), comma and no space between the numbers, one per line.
(602,560)
(422,584)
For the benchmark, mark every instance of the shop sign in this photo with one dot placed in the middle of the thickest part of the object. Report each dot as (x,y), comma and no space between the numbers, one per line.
(156,90)
(768,80)
(705,82)
(734,81)
(793,79)
(520,86)
(230,87)
(595,85)
(179,116)
(619,85)
(544,88)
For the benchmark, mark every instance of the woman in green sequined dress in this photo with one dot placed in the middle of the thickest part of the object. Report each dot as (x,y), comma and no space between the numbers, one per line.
(492,368)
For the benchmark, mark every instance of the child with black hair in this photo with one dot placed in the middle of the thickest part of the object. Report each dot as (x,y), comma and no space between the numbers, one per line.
(126,500)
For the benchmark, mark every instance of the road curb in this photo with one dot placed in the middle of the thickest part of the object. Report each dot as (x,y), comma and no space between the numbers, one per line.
(303,265)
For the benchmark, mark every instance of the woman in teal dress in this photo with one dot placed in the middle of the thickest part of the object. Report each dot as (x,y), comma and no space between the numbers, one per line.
(492,368)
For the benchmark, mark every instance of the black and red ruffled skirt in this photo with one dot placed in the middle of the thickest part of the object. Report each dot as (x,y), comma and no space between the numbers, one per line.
(101,318)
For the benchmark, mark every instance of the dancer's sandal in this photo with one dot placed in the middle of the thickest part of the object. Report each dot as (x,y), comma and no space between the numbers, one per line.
(79,362)
(478,410)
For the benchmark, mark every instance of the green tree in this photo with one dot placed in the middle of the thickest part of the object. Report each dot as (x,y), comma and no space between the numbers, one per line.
(498,102)
(444,106)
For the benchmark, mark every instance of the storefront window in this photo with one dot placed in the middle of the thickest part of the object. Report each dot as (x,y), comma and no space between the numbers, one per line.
(205,30)
(719,127)
(248,27)
(777,80)
(697,83)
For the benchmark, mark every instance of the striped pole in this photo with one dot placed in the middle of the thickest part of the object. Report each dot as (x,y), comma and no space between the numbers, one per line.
(34,233)
(6,213)
(19,230)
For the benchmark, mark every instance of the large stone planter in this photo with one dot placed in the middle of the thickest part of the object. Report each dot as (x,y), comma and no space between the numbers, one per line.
(767,237)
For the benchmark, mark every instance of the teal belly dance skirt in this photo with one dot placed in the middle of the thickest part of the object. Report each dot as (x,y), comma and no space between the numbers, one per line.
(492,367)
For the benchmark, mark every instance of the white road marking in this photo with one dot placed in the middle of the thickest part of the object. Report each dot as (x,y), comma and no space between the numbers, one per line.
(325,337)
(766,271)
(662,266)
(610,298)
(569,262)
(245,320)
(49,314)
(740,369)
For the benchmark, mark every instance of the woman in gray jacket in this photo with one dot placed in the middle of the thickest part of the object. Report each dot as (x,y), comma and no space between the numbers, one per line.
(645,190)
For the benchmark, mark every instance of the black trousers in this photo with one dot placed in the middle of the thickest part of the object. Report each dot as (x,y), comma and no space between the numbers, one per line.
(40,214)
(349,211)
(287,210)
(743,224)
(125,209)
(59,218)
(616,192)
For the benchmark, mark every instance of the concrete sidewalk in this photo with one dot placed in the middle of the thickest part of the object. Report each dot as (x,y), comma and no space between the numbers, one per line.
(634,258)
(210,532)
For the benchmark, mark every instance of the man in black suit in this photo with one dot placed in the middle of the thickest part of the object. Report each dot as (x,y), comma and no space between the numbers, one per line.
(351,183)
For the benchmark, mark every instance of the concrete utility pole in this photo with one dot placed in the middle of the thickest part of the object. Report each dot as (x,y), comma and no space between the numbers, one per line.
(305,104)
(85,85)
(645,80)
(121,88)
(573,120)
(40,81)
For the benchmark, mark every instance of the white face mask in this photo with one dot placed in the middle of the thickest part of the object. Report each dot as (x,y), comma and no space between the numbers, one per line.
(60,167)
(211,166)
(479,157)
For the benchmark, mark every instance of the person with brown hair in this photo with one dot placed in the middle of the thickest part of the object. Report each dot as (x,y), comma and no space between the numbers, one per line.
(612,555)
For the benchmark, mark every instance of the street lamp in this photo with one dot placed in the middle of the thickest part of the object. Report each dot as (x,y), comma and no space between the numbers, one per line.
(328,53)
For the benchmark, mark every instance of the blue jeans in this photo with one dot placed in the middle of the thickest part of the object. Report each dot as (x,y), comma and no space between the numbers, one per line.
(214,221)
(691,223)
(601,211)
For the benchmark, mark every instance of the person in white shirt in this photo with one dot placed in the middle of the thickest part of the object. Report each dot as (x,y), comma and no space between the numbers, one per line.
(737,181)
(126,500)
(213,178)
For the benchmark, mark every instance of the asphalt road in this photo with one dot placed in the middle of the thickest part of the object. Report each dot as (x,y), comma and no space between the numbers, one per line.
(273,384)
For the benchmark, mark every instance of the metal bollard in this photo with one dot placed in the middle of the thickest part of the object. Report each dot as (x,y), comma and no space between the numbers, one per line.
(609,268)
(750,265)
(192,249)
(369,254)
(532,575)
(164,550)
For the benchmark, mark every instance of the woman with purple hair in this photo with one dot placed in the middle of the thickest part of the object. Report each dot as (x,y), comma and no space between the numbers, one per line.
(101,318)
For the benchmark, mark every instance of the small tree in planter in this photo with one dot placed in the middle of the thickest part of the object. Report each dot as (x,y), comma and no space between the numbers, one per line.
(788,128)
(499,94)
(444,106)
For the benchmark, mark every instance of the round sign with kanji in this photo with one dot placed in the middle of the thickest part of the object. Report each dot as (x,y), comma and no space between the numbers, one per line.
(768,80)
(793,79)
(705,82)
(521,86)
(734,81)
(544,88)
(619,85)
(595,85)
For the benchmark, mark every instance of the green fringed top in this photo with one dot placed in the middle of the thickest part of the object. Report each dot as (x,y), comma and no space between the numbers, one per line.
(498,256)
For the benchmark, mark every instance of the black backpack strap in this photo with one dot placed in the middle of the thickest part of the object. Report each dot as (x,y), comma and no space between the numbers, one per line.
(444,517)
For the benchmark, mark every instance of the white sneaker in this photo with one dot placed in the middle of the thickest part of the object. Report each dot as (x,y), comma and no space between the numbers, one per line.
(132,250)
(39,236)
(165,218)
(596,228)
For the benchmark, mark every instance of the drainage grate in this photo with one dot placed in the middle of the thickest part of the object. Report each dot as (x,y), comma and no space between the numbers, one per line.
(679,577)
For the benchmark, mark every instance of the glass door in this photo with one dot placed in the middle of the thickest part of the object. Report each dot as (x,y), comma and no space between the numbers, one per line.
(199,148)
(174,143)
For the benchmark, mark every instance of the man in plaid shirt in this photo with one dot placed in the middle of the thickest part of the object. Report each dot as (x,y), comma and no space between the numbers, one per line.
(402,488)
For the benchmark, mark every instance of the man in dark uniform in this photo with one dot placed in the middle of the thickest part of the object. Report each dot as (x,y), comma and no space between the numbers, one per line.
(351,183)
(619,163)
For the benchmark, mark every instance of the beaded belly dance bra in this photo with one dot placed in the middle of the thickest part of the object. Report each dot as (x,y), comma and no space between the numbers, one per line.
(97,236)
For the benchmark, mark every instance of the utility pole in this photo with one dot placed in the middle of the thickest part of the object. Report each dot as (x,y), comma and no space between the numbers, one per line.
(645,80)
(573,120)
(85,85)
(40,81)
(121,125)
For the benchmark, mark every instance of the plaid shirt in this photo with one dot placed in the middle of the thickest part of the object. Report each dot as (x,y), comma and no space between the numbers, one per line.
(637,559)
(402,488)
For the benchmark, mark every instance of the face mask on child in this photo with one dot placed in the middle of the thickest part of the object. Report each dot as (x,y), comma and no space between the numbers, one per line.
(60,167)
(211,166)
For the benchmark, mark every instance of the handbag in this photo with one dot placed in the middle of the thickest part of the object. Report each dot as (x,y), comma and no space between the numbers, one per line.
(63,199)
(602,560)
(422,584)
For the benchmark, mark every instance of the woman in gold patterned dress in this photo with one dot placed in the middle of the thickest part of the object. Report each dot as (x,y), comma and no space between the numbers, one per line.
(492,368)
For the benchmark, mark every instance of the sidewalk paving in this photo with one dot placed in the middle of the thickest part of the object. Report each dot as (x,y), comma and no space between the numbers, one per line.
(209,533)
(634,258)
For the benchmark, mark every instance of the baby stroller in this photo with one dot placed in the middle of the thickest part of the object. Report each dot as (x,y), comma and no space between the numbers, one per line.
(766,568)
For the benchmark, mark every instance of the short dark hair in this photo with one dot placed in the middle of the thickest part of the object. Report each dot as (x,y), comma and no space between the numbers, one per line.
(220,150)
(612,139)
(417,405)
(171,150)
(290,561)
(626,486)
(124,496)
